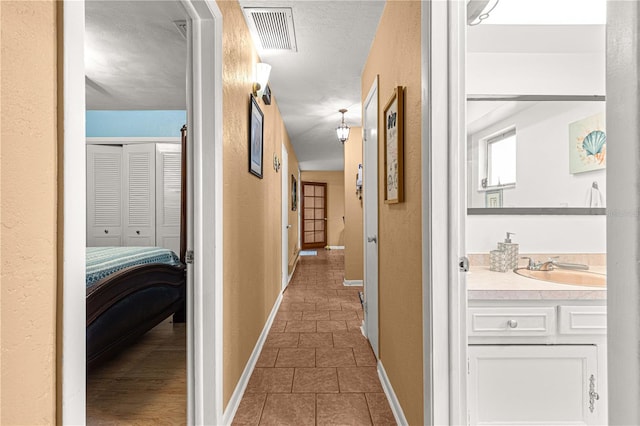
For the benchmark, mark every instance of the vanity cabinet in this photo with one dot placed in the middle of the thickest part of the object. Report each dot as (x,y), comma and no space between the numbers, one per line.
(537,362)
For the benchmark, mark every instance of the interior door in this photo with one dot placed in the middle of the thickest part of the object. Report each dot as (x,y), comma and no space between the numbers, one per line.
(139,195)
(168,195)
(314,215)
(104,195)
(285,216)
(370,195)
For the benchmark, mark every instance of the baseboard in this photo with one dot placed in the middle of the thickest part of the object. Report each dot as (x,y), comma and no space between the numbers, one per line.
(352,283)
(238,392)
(295,264)
(334,247)
(391,396)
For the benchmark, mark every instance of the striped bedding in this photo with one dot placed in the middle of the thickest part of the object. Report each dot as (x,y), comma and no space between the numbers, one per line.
(104,261)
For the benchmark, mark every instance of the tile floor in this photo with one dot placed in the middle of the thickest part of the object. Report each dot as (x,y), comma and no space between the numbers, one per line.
(316,367)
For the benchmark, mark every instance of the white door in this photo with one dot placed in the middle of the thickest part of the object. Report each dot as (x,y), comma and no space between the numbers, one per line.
(285,216)
(104,196)
(168,195)
(139,195)
(533,385)
(370,194)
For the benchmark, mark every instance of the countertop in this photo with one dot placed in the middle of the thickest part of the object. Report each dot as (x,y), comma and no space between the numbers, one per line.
(483,284)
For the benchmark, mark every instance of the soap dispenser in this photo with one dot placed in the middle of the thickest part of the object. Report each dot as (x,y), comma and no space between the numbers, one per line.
(510,250)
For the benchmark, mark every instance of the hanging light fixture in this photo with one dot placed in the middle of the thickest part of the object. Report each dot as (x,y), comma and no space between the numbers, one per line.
(343,130)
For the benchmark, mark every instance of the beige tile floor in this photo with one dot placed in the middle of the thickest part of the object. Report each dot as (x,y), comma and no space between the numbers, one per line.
(316,368)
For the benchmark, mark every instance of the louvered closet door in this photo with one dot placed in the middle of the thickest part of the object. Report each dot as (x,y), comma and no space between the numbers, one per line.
(104,196)
(314,215)
(168,179)
(139,195)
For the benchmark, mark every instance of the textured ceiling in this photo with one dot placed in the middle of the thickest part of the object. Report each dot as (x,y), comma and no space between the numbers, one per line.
(135,57)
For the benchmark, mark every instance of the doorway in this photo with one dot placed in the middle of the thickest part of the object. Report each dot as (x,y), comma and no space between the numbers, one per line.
(285,216)
(204,381)
(314,215)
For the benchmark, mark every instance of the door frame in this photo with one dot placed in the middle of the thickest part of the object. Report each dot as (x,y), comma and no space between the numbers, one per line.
(371,327)
(285,216)
(443,285)
(326,213)
(204,381)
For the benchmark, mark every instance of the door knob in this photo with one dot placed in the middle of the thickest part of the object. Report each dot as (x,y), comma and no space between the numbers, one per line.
(288,226)
(513,323)
(106,231)
(373,239)
(138,232)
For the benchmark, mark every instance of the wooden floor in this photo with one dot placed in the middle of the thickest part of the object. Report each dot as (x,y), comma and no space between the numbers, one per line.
(144,385)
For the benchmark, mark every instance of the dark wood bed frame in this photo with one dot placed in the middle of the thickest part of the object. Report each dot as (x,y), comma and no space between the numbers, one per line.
(128,303)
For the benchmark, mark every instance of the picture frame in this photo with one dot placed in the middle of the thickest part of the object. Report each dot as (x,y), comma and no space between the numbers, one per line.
(493,198)
(294,193)
(394,147)
(256,134)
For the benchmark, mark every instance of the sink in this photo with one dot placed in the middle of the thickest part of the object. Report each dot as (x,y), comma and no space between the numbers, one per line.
(566,276)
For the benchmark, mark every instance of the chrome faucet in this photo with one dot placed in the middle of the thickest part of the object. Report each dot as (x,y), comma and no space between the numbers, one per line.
(552,264)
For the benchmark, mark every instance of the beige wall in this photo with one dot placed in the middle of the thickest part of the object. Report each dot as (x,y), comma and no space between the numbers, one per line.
(335,202)
(252,206)
(395,56)
(28,211)
(353,242)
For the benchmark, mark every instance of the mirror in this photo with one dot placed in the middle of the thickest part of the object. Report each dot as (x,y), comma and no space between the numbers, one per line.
(536,154)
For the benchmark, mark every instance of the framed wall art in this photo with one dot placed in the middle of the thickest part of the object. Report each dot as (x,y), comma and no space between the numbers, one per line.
(256,132)
(294,193)
(587,144)
(394,147)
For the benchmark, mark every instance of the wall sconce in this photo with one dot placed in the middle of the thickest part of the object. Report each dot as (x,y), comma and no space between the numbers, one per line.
(479,10)
(262,77)
(359,182)
(342,130)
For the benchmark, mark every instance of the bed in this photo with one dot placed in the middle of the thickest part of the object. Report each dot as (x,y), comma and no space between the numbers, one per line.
(130,290)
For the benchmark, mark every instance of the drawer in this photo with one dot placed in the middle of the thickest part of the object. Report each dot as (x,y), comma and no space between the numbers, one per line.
(582,319)
(511,321)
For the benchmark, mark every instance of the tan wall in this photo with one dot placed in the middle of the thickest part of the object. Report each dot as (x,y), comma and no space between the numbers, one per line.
(28,211)
(395,56)
(353,242)
(335,202)
(252,206)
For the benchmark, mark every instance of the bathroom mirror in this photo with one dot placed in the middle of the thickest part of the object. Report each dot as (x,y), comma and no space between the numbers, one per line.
(536,154)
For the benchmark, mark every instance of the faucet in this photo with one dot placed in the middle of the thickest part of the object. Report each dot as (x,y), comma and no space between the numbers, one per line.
(552,264)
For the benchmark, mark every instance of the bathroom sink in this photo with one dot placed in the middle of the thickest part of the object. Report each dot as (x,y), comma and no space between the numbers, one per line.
(565,276)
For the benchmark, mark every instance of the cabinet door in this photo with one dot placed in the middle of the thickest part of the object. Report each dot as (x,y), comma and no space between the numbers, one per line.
(104,196)
(533,385)
(168,193)
(139,195)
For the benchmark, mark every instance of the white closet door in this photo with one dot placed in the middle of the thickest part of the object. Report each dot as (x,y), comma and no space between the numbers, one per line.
(168,179)
(104,196)
(139,195)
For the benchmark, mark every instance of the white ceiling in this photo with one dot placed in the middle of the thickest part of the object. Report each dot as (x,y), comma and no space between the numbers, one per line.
(136,58)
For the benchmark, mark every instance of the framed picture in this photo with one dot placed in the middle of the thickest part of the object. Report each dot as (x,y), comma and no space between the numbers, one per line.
(493,198)
(394,147)
(256,132)
(294,193)
(587,144)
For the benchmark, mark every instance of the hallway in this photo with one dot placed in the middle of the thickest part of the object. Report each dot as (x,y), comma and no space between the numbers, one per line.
(316,367)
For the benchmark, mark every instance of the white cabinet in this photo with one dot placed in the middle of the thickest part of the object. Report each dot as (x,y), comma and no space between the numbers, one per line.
(133,195)
(537,362)
(533,385)
(139,195)
(104,195)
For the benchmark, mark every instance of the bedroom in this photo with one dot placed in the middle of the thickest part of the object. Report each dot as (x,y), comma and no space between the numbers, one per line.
(136,109)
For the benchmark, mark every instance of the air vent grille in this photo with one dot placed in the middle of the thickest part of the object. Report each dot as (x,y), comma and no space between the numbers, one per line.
(272,28)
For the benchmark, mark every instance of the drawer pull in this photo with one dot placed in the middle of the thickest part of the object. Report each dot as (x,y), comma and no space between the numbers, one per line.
(512,323)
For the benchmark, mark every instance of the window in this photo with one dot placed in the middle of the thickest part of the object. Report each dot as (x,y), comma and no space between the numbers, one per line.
(501,159)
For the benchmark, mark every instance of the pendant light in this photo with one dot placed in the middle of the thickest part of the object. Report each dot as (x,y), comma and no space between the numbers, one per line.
(343,130)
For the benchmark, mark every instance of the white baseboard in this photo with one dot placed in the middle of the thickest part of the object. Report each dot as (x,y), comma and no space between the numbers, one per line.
(391,396)
(238,392)
(352,283)
(295,265)
(335,247)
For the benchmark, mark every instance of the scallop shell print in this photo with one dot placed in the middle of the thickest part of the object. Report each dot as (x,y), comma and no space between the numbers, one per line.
(594,142)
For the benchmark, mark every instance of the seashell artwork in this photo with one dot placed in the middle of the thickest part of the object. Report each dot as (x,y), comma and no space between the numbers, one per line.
(587,144)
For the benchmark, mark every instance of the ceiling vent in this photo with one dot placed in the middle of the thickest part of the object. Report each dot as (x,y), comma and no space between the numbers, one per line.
(272,28)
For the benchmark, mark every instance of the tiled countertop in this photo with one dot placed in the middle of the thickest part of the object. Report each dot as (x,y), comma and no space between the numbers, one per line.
(483,284)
